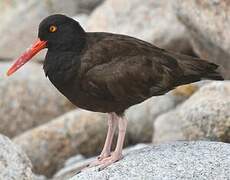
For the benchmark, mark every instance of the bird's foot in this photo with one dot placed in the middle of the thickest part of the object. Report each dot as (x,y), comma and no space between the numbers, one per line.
(103,155)
(104,160)
(99,159)
(110,160)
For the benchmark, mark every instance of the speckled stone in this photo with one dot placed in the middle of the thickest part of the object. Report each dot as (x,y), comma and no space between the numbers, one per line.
(208,23)
(74,165)
(14,164)
(28,99)
(142,116)
(175,161)
(205,115)
(84,132)
(76,132)
(26,16)
(153,21)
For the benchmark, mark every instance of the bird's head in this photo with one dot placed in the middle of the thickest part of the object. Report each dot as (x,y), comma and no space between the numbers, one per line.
(57,33)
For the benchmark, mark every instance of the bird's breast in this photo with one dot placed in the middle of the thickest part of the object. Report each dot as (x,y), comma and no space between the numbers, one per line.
(71,89)
(64,72)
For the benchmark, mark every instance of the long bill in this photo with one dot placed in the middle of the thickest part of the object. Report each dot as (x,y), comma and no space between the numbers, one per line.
(27,55)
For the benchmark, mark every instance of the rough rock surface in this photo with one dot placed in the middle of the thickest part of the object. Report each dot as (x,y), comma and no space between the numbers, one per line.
(208,22)
(26,15)
(82,19)
(84,132)
(78,131)
(205,115)
(142,116)
(14,164)
(152,21)
(50,144)
(178,160)
(75,164)
(40,177)
(28,99)
(43,144)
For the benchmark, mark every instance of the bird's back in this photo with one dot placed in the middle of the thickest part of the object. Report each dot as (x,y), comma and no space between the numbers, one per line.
(125,71)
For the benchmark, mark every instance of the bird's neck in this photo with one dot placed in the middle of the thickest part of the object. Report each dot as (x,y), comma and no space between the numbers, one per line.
(60,67)
(75,45)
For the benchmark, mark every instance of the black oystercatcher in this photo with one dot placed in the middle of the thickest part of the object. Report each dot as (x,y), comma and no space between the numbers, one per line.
(108,73)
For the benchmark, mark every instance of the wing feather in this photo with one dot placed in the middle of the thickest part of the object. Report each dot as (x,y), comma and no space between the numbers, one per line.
(131,72)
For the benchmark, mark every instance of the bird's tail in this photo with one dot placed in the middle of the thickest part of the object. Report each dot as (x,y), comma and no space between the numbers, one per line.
(196,69)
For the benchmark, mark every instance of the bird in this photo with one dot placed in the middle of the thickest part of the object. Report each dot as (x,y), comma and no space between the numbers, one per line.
(108,73)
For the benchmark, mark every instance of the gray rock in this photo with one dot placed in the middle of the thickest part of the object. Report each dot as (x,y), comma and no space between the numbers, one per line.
(208,23)
(76,132)
(84,132)
(28,99)
(67,172)
(82,19)
(153,21)
(168,127)
(178,160)
(72,7)
(14,164)
(74,160)
(19,23)
(85,6)
(142,116)
(79,163)
(205,115)
(39,177)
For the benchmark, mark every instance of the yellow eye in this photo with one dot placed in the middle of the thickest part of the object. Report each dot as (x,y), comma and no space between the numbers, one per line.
(53,28)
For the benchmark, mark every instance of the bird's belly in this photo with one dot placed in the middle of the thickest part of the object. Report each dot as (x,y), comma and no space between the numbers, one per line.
(86,101)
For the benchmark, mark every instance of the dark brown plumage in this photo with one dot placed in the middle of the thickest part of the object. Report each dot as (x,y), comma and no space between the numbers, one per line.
(113,72)
(108,73)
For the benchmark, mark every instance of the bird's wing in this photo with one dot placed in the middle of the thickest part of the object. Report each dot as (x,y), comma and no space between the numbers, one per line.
(131,78)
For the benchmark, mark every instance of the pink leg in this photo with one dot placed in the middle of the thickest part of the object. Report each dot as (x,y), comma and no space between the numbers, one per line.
(112,123)
(117,154)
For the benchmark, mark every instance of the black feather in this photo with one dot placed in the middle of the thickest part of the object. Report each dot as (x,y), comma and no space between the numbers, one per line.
(196,69)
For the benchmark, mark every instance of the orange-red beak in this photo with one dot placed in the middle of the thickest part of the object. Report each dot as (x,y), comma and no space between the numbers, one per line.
(26,56)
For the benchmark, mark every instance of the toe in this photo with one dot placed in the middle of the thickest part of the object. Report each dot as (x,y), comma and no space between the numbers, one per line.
(103,156)
(106,164)
(94,163)
(98,161)
(110,160)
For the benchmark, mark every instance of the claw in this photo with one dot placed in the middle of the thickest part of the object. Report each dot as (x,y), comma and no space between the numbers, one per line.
(99,160)
(103,156)
(110,160)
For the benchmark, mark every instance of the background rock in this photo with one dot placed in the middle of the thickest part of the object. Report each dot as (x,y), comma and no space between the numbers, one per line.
(20,20)
(205,115)
(77,132)
(28,99)
(75,164)
(84,132)
(179,160)
(39,177)
(49,145)
(208,23)
(152,21)
(142,116)
(14,164)
(82,19)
